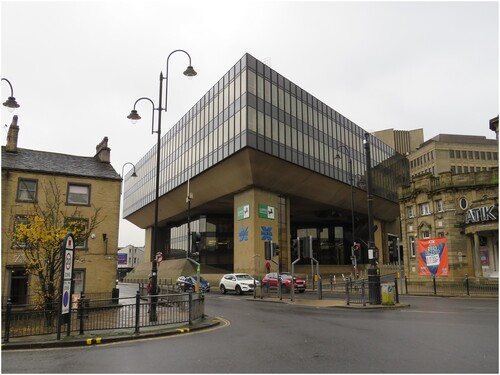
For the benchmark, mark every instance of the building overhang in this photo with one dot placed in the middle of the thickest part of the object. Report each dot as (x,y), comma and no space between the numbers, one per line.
(312,195)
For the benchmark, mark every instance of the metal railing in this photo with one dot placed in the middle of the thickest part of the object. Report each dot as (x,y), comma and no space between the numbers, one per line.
(449,288)
(102,314)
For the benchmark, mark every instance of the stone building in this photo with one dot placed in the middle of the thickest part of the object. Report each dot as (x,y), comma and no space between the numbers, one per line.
(83,184)
(455,153)
(449,225)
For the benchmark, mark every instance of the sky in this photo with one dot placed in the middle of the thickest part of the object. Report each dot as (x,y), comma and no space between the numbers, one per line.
(77,67)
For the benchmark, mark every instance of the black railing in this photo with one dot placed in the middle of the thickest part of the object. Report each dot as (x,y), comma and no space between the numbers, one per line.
(452,288)
(102,314)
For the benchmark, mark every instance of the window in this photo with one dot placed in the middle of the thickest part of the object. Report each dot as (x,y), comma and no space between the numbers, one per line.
(78,194)
(426,234)
(78,281)
(463,203)
(471,155)
(476,155)
(425,209)
(452,169)
(488,155)
(439,205)
(459,169)
(452,154)
(19,219)
(80,227)
(411,212)
(26,190)
(412,246)
(457,154)
(464,154)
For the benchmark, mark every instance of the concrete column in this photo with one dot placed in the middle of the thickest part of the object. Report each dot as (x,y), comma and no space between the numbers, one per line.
(256,219)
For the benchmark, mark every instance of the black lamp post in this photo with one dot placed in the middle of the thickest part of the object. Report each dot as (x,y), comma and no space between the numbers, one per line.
(10,103)
(134,117)
(351,178)
(373,271)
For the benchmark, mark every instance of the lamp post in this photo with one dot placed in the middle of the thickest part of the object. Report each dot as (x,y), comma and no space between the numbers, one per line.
(351,178)
(10,103)
(373,271)
(134,117)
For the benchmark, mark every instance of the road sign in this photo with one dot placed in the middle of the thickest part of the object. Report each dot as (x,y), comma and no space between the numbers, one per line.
(66,297)
(159,257)
(68,264)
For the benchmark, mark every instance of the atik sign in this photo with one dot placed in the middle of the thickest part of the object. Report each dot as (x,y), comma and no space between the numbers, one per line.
(433,257)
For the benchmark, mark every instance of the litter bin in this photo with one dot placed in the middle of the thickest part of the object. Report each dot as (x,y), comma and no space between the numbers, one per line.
(387,294)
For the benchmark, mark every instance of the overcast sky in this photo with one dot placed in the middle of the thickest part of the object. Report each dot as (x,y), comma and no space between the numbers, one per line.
(77,67)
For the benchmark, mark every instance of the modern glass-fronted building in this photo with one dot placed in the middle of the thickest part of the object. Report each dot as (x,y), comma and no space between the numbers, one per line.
(257,141)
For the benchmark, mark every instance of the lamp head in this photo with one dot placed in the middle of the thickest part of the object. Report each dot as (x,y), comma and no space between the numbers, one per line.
(133,174)
(134,116)
(11,103)
(190,72)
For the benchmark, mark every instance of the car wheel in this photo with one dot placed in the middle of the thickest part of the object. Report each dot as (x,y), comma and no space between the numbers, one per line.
(238,290)
(223,289)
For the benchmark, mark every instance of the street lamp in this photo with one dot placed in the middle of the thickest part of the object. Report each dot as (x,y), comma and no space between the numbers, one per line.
(10,103)
(351,178)
(373,272)
(134,117)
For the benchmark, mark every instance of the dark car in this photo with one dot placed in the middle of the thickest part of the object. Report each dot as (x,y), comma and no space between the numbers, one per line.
(271,281)
(186,284)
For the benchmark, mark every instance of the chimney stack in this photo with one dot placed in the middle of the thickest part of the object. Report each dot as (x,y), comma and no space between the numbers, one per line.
(12,135)
(103,152)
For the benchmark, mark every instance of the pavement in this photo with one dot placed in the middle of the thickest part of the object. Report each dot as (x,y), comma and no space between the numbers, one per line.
(90,338)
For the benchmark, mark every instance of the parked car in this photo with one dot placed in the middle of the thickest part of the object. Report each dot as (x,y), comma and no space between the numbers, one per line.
(271,280)
(186,284)
(237,282)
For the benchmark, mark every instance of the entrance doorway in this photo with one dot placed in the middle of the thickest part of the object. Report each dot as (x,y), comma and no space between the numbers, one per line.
(18,286)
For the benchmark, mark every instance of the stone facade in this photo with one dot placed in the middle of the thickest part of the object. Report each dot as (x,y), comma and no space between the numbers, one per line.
(95,261)
(460,208)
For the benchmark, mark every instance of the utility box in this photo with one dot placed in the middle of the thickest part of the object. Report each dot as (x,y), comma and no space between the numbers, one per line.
(387,294)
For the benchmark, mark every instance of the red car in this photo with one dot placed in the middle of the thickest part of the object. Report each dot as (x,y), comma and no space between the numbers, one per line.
(271,281)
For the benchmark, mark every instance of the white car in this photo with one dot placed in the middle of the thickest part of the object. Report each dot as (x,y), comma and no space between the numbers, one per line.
(239,282)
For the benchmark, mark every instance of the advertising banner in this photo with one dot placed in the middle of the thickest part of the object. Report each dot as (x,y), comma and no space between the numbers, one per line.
(433,257)
(121,258)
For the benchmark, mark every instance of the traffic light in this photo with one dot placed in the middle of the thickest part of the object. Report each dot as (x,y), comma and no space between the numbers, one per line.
(295,248)
(267,250)
(195,242)
(356,250)
(276,249)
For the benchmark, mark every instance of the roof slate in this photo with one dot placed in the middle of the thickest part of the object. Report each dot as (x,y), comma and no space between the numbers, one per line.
(54,163)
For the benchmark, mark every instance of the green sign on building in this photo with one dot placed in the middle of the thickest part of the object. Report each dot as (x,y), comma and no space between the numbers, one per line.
(266,212)
(244,212)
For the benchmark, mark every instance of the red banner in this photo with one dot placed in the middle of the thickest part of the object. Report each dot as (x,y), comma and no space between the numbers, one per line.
(433,257)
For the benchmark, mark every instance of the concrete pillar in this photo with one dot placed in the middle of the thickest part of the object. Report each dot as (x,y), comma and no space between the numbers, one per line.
(256,219)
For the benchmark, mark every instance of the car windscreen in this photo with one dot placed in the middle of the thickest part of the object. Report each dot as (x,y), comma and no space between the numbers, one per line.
(243,277)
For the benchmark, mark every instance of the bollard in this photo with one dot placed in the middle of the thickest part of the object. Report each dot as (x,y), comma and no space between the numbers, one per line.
(434,284)
(396,289)
(347,293)
(363,292)
(406,284)
(467,283)
(137,310)
(190,308)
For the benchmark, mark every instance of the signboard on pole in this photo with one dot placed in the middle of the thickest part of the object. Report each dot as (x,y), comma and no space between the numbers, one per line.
(67,254)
